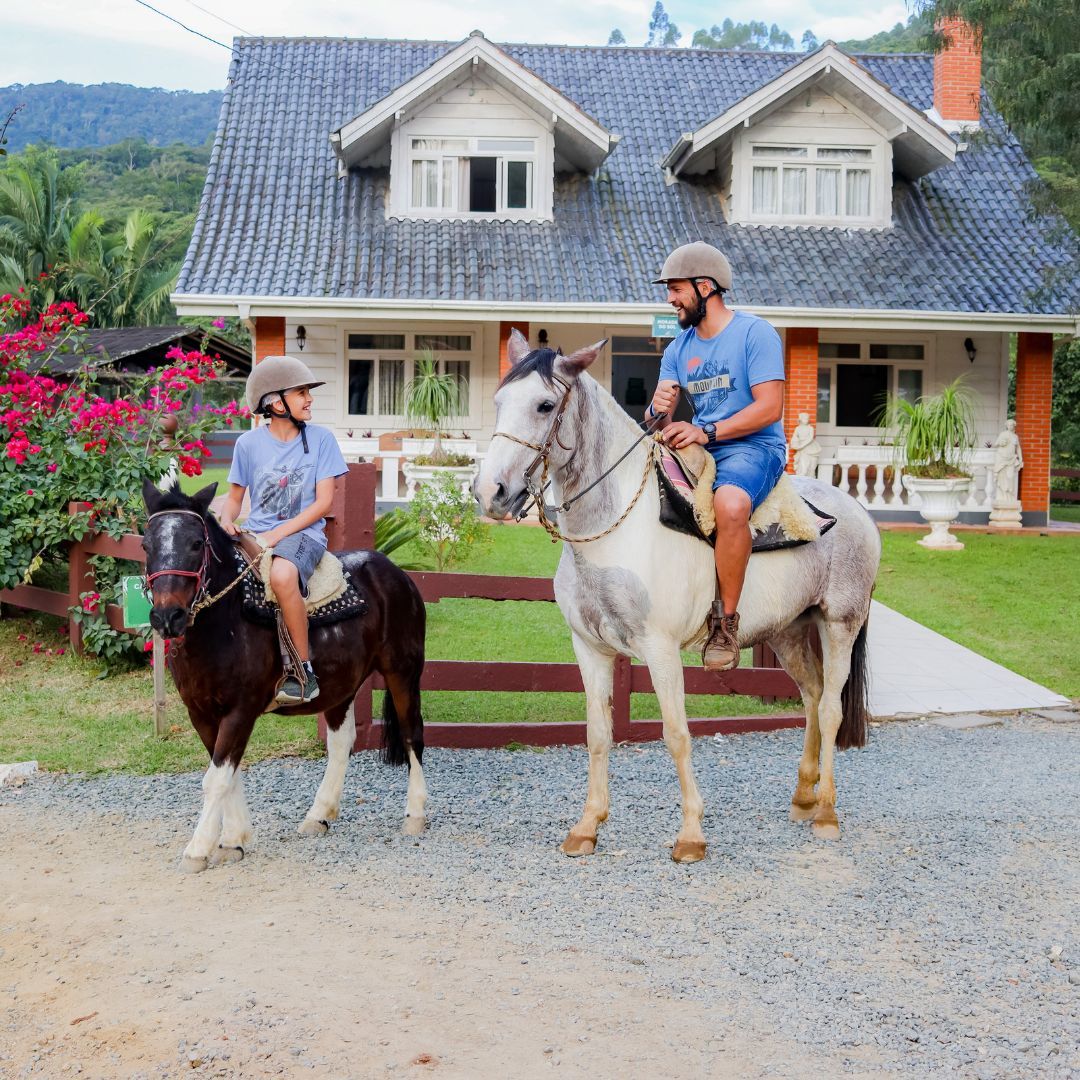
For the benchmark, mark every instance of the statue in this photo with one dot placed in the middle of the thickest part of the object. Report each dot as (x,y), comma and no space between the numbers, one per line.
(807,448)
(1008,461)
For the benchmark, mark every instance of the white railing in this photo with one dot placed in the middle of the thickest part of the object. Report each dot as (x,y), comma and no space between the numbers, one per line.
(871,475)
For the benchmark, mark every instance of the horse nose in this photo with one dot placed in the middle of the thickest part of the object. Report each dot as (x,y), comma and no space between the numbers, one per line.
(169,622)
(490,496)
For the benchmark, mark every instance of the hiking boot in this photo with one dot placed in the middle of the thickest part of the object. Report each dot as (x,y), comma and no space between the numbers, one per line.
(294,692)
(721,649)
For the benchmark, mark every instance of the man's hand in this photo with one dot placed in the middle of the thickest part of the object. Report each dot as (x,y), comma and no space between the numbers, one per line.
(681,435)
(666,397)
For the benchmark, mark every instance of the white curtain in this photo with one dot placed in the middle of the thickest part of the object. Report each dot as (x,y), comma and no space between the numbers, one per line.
(391,387)
(858,193)
(459,369)
(764,191)
(794,191)
(827,197)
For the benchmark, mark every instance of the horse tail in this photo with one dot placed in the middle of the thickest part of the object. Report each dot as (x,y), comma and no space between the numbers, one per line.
(854,698)
(393,745)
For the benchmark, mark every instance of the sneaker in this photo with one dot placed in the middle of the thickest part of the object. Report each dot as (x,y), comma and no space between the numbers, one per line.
(293,692)
(721,649)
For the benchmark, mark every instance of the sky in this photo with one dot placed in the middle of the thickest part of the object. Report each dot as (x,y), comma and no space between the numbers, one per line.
(124,41)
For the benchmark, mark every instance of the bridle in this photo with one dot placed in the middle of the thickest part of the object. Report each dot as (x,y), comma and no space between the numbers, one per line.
(541,461)
(200,601)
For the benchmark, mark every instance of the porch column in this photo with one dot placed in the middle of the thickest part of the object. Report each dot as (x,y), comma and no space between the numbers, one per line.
(1034,383)
(801,370)
(269,336)
(504,339)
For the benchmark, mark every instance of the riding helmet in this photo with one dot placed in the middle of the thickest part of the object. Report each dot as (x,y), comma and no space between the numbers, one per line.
(693,261)
(275,374)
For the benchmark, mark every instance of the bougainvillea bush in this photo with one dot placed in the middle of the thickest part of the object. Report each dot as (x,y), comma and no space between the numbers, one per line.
(86,438)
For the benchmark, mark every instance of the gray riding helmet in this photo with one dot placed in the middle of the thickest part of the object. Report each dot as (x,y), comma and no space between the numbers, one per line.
(274,374)
(693,261)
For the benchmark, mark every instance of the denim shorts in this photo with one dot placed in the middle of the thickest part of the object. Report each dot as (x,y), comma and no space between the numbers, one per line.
(303,552)
(754,469)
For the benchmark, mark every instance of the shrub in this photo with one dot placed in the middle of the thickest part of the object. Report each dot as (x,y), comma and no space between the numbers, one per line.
(448,529)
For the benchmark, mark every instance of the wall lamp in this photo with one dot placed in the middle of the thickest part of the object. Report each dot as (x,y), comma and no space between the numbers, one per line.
(969,348)
(301,338)
(542,339)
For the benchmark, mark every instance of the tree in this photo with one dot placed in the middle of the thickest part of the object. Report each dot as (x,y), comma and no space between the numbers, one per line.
(809,42)
(616,37)
(663,33)
(752,35)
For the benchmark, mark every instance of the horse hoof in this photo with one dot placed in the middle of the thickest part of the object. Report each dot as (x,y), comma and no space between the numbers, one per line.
(802,813)
(224,855)
(313,827)
(193,866)
(688,851)
(826,830)
(413,826)
(576,845)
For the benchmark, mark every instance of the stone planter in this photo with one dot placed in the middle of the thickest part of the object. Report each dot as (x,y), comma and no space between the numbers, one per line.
(358,449)
(939,504)
(423,474)
(419,447)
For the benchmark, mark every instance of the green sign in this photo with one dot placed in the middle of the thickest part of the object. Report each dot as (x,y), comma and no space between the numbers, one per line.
(666,326)
(136,603)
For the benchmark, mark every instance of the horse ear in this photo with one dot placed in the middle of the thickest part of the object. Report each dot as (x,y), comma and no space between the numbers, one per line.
(574,364)
(203,499)
(152,495)
(517,346)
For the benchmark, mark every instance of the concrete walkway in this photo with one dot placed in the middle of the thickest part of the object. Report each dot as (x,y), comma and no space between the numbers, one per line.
(914,670)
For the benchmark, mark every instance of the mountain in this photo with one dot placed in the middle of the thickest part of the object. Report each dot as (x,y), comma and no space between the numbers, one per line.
(68,114)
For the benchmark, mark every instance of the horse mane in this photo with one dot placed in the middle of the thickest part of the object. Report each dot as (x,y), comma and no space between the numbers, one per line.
(173,498)
(540,361)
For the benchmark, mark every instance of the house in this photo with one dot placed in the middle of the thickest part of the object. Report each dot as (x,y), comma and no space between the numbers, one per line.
(367,200)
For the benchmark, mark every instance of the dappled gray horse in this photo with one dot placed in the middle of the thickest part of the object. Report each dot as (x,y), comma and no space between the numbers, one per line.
(644,591)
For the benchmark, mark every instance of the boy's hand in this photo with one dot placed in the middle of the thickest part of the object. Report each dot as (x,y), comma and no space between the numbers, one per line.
(230,527)
(272,538)
(666,397)
(681,435)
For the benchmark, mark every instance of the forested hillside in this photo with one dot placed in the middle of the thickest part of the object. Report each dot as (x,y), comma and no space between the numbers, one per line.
(67,114)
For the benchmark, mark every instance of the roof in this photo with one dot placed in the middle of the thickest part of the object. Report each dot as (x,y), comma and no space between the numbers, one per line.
(275,220)
(143,346)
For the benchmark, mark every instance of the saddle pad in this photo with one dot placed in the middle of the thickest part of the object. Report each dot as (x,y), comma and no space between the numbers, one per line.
(347,604)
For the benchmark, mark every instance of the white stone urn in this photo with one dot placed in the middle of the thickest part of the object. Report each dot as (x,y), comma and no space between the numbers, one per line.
(420,447)
(422,474)
(939,504)
(358,449)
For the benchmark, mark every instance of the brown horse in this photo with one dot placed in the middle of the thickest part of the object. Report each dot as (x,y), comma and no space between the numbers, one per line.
(226,668)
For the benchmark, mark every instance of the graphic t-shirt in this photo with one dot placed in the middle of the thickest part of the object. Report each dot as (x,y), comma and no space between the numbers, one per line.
(718,372)
(281,478)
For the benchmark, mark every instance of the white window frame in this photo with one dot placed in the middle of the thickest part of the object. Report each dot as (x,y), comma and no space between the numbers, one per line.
(925,365)
(473,355)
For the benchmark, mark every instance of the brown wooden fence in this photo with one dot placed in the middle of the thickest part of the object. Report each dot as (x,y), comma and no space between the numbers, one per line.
(1057,495)
(351,524)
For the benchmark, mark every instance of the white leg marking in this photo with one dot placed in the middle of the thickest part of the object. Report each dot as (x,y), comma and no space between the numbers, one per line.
(216,784)
(236,830)
(417,797)
(339,744)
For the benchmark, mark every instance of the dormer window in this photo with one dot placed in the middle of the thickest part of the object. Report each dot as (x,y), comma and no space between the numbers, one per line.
(471,175)
(824,183)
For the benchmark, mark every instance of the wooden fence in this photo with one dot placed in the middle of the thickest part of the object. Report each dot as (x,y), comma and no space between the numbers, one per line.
(1065,496)
(351,524)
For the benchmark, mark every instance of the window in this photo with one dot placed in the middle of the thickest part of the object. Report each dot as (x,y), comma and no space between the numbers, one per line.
(381,364)
(472,176)
(854,379)
(821,181)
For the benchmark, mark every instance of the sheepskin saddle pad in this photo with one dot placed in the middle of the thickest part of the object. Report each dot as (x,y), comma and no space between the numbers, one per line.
(331,595)
(685,478)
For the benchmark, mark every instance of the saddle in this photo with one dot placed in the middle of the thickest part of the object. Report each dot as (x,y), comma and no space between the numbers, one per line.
(331,596)
(685,477)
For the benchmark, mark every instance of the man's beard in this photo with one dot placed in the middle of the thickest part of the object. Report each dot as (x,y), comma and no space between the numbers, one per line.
(688,318)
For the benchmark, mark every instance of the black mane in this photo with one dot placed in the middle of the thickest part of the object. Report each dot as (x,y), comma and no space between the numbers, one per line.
(173,498)
(542,361)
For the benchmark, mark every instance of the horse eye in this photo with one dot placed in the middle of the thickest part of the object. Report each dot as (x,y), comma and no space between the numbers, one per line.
(545,406)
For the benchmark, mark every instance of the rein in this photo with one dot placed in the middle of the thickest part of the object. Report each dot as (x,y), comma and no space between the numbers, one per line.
(201,601)
(543,451)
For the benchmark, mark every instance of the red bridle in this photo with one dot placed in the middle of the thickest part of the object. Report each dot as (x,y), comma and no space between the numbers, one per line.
(200,574)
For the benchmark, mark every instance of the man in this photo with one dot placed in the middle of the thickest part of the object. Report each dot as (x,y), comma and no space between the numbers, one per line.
(732,366)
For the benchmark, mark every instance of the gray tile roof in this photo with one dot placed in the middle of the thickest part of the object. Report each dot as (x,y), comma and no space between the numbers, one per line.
(276,221)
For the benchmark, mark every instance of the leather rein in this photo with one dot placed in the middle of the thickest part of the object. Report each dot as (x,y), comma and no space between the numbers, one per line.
(200,601)
(541,461)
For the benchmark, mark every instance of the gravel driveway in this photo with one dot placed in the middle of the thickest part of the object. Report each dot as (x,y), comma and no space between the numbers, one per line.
(940,934)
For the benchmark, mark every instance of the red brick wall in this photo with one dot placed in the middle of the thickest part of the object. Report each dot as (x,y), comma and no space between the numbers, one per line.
(504,338)
(957,71)
(1034,382)
(801,369)
(269,336)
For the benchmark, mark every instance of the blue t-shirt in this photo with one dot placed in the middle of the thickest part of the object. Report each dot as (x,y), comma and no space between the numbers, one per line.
(718,372)
(281,478)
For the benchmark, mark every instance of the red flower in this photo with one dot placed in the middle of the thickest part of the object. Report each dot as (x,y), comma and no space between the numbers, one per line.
(90,602)
(59,650)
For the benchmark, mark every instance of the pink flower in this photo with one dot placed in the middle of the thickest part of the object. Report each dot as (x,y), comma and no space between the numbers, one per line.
(59,651)
(51,467)
(219,324)
(90,602)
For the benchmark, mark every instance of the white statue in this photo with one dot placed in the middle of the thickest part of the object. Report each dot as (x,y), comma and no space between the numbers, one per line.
(807,448)
(1008,461)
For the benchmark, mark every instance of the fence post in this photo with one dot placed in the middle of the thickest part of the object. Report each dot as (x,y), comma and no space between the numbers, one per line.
(80,579)
(620,700)
(352,513)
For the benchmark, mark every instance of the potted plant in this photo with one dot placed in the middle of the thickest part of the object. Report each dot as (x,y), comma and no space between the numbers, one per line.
(932,437)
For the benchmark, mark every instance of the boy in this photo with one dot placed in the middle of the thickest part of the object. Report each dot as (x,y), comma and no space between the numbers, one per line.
(289,467)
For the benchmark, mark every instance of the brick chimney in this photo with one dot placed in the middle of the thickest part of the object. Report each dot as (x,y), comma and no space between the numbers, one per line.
(957,72)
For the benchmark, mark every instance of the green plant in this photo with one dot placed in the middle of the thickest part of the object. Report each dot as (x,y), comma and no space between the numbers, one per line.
(448,528)
(932,435)
(431,397)
(446,460)
(394,530)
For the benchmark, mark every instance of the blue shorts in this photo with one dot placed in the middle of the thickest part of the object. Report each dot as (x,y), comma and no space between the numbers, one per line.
(754,469)
(303,552)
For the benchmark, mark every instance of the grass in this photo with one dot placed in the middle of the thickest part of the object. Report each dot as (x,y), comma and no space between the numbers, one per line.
(1065,513)
(1006,597)
(219,474)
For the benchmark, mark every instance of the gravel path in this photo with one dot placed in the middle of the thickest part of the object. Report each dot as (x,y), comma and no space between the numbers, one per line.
(940,933)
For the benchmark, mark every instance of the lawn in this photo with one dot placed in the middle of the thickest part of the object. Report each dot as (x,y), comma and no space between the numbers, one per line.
(1065,513)
(1007,597)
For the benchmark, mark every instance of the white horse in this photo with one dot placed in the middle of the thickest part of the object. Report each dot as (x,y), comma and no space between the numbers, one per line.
(643,590)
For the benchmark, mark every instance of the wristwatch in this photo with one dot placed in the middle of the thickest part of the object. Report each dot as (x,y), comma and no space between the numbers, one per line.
(710,431)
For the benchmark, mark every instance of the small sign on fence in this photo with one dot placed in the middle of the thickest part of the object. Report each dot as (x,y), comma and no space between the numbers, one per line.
(136,606)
